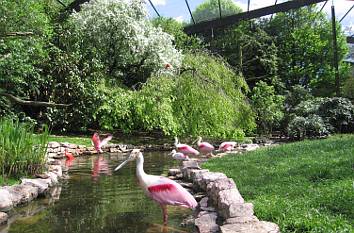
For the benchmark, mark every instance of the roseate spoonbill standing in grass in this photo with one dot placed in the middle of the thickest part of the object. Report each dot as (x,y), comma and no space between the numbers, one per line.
(97,143)
(161,189)
(227,146)
(205,147)
(178,155)
(185,149)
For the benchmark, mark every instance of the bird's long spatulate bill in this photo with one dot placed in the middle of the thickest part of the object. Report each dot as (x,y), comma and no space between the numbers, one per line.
(121,165)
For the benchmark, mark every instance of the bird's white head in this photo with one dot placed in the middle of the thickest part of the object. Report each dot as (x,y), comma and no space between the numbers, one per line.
(133,156)
(173,152)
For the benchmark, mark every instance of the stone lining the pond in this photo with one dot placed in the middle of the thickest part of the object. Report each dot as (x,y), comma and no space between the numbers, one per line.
(3,218)
(223,209)
(29,189)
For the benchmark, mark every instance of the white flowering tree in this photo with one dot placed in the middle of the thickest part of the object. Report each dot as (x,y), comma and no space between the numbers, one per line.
(118,33)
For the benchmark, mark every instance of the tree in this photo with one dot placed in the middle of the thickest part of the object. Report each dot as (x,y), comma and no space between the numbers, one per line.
(304,41)
(210,10)
(119,35)
(268,107)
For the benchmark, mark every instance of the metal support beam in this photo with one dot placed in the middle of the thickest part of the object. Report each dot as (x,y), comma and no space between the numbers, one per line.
(232,19)
(335,50)
(345,15)
(271,17)
(248,5)
(190,12)
(153,6)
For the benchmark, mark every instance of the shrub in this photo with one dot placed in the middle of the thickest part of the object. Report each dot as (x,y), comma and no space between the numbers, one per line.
(268,107)
(302,127)
(21,152)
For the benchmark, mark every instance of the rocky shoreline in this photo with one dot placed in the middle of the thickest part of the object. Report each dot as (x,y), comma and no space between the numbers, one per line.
(221,206)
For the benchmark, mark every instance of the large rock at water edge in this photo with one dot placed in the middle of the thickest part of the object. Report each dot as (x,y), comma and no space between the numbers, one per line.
(3,218)
(5,200)
(251,227)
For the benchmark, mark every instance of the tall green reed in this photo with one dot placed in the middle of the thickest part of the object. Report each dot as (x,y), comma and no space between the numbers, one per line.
(21,151)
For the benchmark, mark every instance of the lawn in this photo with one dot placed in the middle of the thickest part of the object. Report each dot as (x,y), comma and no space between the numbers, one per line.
(79,140)
(303,187)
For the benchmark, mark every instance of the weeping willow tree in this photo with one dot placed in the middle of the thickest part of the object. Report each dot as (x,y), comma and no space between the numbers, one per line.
(206,98)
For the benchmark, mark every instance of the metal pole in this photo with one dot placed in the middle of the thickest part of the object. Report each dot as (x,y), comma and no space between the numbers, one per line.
(219,9)
(154,8)
(335,51)
(190,12)
(271,17)
(346,13)
(248,5)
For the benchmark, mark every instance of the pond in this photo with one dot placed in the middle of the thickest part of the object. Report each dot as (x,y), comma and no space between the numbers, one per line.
(96,199)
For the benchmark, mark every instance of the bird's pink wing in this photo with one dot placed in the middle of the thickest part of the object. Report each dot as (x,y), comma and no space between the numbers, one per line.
(206,145)
(168,192)
(106,140)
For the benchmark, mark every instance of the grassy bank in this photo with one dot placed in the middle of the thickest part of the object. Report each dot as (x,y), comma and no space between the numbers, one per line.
(304,187)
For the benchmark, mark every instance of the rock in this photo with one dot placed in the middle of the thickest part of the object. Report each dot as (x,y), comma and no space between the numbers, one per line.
(53,150)
(192,164)
(241,220)
(42,176)
(189,221)
(53,144)
(206,222)
(237,210)
(56,169)
(196,174)
(114,150)
(226,198)
(251,227)
(54,162)
(41,184)
(22,193)
(249,147)
(174,171)
(55,155)
(217,186)
(5,200)
(209,177)
(186,185)
(3,218)
(199,196)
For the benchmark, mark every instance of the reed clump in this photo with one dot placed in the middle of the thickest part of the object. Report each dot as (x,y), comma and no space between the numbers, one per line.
(22,152)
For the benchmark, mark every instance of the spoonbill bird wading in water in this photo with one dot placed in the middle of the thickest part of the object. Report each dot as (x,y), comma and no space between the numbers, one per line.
(178,155)
(97,143)
(227,146)
(185,149)
(161,189)
(205,147)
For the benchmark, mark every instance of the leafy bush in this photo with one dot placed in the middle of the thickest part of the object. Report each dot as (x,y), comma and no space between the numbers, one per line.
(348,88)
(319,116)
(302,127)
(268,107)
(21,152)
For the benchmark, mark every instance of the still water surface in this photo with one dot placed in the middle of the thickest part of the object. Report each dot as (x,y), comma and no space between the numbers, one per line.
(96,199)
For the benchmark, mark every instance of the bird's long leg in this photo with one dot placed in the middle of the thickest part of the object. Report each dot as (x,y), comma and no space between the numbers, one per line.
(165,215)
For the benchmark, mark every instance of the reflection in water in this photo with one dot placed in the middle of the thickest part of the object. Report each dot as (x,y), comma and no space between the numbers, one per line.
(96,200)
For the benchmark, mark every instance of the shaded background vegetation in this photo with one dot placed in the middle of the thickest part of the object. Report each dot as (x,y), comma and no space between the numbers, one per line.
(243,80)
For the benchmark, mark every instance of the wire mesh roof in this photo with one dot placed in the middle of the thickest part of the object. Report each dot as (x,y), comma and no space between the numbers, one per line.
(178,10)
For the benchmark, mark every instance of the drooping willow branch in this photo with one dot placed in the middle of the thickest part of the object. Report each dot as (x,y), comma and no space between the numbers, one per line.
(19,101)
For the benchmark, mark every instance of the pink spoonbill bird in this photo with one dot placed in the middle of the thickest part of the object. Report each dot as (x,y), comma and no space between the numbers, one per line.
(185,149)
(178,155)
(161,189)
(97,143)
(205,147)
(227,146)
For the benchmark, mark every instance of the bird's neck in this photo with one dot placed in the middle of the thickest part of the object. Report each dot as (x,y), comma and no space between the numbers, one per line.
(140,167)
(199,141)
(176,141)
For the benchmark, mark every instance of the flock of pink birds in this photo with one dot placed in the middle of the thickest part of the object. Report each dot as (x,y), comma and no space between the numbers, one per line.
(162,190)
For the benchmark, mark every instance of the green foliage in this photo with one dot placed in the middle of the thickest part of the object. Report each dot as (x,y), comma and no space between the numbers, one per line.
(319,116)
(21,152)
(303,187)
(268,107)
(295,96)
(250,50)
(182,41)
(348,88)
(209,9)
(304,41)
(207,98)
(118,34)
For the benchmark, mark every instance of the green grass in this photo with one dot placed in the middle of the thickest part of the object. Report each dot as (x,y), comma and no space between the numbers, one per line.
(82,140)
(9,181)
(303,187)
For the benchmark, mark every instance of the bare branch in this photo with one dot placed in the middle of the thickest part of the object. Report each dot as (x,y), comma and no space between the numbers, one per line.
(8,34)
(19,101)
